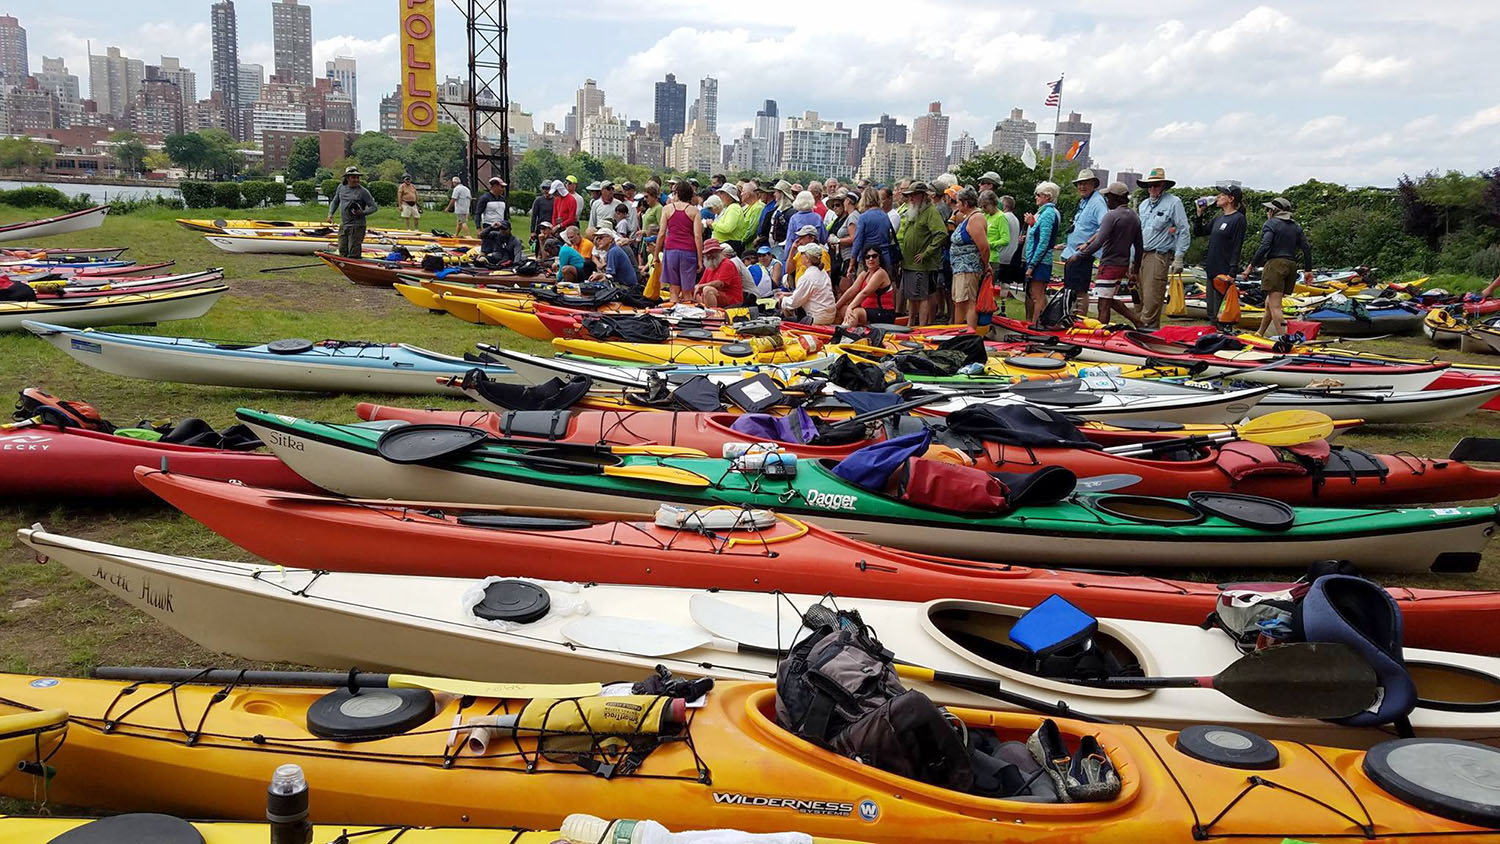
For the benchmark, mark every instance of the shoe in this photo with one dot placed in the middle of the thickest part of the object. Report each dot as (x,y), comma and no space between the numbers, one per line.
(1091,776)
(1049,750)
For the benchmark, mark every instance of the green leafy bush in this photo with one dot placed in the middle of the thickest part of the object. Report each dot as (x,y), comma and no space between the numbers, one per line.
(227,194)
(305,190)
(519,201)
(36,196)
(198,194)
(384,193)
(263,193)
(328,187)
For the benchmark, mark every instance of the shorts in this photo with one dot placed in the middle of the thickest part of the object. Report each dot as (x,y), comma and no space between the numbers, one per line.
(410,212)
(1043,272)
(461,210)
(679,268)
(880,316)
(966,286)
(1076,274)
(1108,282)
(919,284)
(1279,275)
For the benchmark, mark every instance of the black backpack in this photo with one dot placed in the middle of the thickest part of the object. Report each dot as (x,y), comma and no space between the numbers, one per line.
(837,688)
(1058,312)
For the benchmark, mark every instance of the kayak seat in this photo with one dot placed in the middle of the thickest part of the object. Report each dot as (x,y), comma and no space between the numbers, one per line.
(542,424)
(504,521)
(1240,460)
(1356,612)
(139,828)
(1352,463)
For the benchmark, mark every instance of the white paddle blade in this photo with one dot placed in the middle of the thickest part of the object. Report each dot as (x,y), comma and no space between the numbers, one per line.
(638,636)
(776,631)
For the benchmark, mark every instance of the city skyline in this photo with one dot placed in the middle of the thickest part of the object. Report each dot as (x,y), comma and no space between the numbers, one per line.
(1196,89)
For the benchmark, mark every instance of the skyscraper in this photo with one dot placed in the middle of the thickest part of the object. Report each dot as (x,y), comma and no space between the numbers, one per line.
(963,148)
(251,78)
(171,69)
(706,107)
(930,137)
(13,62)
(768,128)
(671,108)
(56,78)
(811,143)
(226,66)
(587,103)
(892,130)
(1013,134)
(291,24)
(114,80)
(342,71)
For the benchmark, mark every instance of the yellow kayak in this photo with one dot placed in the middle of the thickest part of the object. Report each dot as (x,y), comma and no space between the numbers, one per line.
(758,350)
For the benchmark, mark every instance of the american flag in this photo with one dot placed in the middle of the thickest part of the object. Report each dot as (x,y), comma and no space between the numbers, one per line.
(1054,97)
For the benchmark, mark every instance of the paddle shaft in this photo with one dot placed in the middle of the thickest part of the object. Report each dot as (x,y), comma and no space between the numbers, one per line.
(293,267)
(300,679)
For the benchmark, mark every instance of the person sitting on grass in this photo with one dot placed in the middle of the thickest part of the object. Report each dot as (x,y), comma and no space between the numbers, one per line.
(501,248)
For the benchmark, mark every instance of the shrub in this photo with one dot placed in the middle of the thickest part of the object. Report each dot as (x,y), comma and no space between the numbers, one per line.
(260,193)
(1486,262)
(198,194)
(305,190)
(328,187)
(384,192)
(35,196)
(227,194)
(519,201)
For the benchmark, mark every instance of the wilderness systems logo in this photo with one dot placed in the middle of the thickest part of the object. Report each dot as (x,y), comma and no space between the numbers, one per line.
(25,442)
(830,501)
(796,804)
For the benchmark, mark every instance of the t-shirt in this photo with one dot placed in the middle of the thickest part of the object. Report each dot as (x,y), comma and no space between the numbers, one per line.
(461,199)
(569,257)
(586,249)
(732,291)
(619,267)
(494,212)
(814,294)
(652,217)
(997,229)
(1226,241)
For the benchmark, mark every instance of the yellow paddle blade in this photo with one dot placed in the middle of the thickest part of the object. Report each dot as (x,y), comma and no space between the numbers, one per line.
(658,450)
(658,474)
(506,690)
(1287,427)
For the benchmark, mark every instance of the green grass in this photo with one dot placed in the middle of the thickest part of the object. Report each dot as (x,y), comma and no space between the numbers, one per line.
(75,625)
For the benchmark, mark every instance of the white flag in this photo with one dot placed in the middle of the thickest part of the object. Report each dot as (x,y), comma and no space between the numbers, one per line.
(1028,156)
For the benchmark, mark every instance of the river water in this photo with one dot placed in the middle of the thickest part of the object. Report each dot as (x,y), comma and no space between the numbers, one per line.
(99,193)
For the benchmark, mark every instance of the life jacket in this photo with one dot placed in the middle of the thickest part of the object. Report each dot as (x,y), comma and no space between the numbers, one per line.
(15,291)
(59,412)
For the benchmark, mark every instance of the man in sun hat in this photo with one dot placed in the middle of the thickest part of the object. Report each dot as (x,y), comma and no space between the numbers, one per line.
(615,263)
(565,207)
(721,285)
(1281,240)
(355,204)
(1166,234)
(1078,270)
(990,181)
(924,234)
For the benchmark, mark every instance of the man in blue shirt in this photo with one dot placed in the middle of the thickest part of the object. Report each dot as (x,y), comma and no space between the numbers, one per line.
(1165,233)
(1077,274)
(617,264)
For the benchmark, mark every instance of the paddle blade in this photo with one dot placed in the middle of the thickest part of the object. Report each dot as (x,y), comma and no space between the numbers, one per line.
(772,632)
(471,688)
(1287,427)
(658,474)
(634,636)
(1477,449)
(1302,680)
(1106,483)
(657,450)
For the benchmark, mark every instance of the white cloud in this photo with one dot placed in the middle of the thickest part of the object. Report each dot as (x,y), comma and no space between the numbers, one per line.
(1179,131)
(1481,120)
(1356,68)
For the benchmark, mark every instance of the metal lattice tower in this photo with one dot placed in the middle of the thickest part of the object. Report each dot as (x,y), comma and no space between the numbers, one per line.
(488,100)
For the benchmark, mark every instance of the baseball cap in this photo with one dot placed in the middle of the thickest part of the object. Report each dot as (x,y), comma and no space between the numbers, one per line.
(808,229)
(572,180)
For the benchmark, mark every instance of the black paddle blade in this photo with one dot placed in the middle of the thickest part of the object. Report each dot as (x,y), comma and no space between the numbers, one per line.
(1302,680)
(1477,449)
(424,443)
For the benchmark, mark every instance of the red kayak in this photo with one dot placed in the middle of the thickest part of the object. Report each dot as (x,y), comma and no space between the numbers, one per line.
(708,432)
(421,539)
(49,461)
(74,290)
(1458,378)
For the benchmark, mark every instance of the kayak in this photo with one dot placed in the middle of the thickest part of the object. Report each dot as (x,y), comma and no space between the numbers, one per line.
(321,532)
(51,461)
(77,221)
(77,290)
(241,244)
(536,369)
(1399,319)
(427,624)
(1109,530)
(70,252)
(788,351)
(208,751)
(378,273)
(120,309)
(1137,348)
(332,366)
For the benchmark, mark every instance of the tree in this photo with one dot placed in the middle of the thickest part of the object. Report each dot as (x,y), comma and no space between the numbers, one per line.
(371,148)
(129,153)
(158,160)
(390,170)
(302,162)
(796,177)
(24,154)
(583,167)
(223,154)
(436,154)
(535,167)
(619,172)
(189,151)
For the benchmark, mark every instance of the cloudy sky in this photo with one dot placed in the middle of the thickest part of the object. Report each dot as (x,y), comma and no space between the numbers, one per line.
(1353,91)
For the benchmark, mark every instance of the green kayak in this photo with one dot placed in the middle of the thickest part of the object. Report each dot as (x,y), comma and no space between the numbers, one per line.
(1081,531)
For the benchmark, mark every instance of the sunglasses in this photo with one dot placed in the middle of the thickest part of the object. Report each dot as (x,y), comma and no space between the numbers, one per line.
(872,257)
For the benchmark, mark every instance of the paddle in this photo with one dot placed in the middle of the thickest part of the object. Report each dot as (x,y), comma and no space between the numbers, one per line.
(1282,428)
(1299,680)
(1485,449)
(352,678)
(442,440)
(293,267)
(1107,483)
(426,446)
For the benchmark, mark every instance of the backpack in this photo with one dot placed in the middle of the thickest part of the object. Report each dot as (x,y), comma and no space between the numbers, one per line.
(838,689)
(60,412)
(1058,312)
(433,263)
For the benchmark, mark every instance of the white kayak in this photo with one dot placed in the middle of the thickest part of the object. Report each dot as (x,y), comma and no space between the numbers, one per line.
(329,366)
(89,218)
(536,369)
(1206,407)
(121,309)
(601,632)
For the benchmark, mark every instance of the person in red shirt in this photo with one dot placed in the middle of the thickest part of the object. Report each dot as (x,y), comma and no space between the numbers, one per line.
(721,285)
(564,209)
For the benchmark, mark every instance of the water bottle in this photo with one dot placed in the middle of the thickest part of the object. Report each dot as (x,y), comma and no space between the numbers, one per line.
(734,450)
(772,464)
(587,829)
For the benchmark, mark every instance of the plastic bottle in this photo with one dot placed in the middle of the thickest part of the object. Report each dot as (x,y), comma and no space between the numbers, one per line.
(587,829)
(772,464)
(733,450)
(287,806)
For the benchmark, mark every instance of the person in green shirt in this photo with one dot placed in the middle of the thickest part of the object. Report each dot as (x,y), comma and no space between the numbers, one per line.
(651,199)
(923,234)
(730,222)
(997,229)
(752,203)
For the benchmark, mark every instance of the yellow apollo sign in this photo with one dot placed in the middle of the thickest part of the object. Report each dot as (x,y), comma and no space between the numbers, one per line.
(418,66)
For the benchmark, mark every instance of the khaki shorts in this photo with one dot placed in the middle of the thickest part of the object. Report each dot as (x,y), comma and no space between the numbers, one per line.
(1279,275)
(965,287)
(410,211)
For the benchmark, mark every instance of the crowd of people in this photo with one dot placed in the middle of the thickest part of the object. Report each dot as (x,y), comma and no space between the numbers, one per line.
(829,253)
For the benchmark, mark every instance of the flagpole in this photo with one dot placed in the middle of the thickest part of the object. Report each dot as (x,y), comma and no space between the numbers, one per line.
(1056,122)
